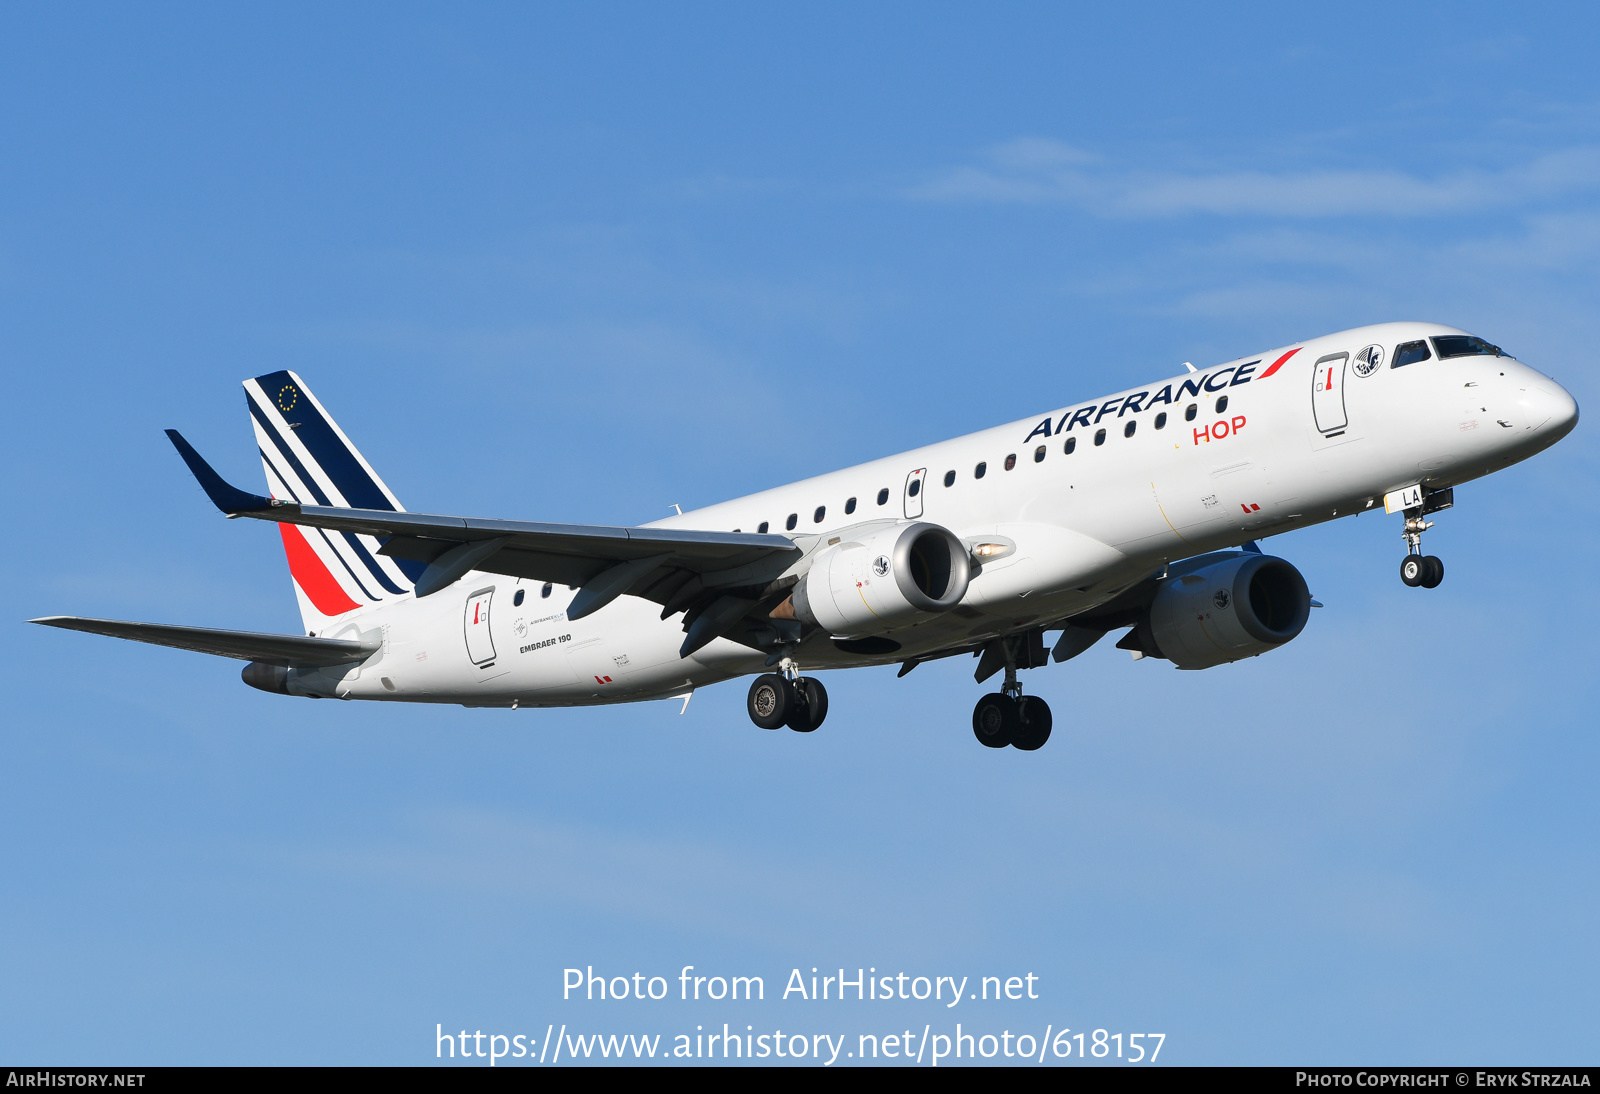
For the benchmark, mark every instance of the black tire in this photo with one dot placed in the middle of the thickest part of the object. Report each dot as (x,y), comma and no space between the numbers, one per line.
(1435,572)
(810,707)
(994,720)
(1033,724)
(770,701)
(1413,568)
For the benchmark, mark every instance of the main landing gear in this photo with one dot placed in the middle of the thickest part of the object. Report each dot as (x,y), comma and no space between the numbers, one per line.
(1418,569)
(799,702)
(1007,717)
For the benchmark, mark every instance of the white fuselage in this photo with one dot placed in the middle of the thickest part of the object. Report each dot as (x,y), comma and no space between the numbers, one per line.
(1293,448)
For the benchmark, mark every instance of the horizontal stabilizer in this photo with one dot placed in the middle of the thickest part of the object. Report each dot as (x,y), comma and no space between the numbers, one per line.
(270,649)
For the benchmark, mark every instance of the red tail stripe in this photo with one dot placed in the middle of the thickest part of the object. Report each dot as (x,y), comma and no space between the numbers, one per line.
(312,576)
(1276,365)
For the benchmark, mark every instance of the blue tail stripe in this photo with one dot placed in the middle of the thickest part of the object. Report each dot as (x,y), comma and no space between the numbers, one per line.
(331,454)
(349,537)
(288,454)
(323,533)
(371,563)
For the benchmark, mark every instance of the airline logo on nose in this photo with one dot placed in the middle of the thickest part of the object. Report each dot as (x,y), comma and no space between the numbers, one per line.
(1368,361)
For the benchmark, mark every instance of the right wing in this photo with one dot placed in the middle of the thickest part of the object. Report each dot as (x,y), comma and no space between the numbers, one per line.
(271,649)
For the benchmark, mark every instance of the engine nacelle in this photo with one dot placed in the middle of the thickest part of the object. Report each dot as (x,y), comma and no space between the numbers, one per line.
(884,579)
(273,678)
(1237,608)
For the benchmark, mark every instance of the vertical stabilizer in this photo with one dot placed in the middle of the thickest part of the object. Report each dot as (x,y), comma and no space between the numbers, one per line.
(308,459)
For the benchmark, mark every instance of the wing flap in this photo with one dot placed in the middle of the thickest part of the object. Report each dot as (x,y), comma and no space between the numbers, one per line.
(271,649)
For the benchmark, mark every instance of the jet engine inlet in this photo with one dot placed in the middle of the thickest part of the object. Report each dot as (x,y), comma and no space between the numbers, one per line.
(883,580)
(1237,608)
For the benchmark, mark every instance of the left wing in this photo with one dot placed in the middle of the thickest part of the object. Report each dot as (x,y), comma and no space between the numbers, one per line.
(716,578)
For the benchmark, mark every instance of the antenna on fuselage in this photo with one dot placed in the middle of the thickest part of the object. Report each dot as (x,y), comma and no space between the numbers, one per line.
(1190,367)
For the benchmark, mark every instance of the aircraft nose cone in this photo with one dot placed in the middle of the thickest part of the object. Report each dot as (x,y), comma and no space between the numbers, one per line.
(1556,406)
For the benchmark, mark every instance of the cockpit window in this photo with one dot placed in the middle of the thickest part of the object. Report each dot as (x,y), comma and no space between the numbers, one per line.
(1409,353)
(1465,345)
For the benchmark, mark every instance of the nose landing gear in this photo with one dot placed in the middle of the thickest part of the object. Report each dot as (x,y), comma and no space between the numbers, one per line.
(799,702)
(1007,717)
(1418,569)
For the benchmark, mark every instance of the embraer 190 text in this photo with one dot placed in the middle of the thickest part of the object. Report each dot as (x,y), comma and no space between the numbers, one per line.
(1137,512)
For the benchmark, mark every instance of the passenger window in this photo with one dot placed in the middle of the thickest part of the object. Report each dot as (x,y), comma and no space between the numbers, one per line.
(1188,413)
(1464,345)
(979,471)
(762,528)
(1410,353)
(545,592)
(1099,436)
(822,511)
(516,601)
(1127,430)
(1222,405)
(949,478)
(1011,461)
(1038,454)
(794,518)
(883,496)
(1072,443)
(1161,420)
(850,507)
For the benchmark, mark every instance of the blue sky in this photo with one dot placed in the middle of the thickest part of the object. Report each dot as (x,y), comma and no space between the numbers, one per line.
(581,264)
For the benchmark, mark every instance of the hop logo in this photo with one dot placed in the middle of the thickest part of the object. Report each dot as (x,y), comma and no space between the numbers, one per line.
(880,565)
(1220,599)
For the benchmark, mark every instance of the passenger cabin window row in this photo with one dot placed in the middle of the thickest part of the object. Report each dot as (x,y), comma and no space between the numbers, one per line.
(1071,444)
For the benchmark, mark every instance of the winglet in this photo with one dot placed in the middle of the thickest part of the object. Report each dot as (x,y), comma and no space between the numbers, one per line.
(230,499)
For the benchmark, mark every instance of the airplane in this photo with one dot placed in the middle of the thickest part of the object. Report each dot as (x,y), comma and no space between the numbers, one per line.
(1137,512)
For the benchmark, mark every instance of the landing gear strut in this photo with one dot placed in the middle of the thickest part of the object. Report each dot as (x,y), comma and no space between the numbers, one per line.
(1418,569)
(789,699)
(1007,717)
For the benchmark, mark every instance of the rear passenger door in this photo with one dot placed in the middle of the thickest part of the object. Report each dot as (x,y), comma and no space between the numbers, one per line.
(480,642)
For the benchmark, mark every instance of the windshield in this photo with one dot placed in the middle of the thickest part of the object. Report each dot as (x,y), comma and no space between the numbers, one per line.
(1465,345)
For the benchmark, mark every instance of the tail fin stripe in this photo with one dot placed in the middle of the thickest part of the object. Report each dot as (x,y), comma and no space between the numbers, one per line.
(314,479)
(309,483)
(312,575)
(331,452)
(371,563)
(289,457)
(361,551)
(309,459)
(347,567)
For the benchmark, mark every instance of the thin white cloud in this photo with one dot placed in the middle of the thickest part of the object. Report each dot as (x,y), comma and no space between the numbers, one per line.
(1038,171)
